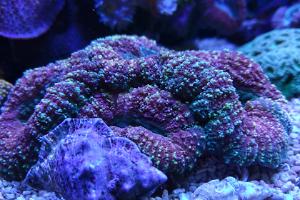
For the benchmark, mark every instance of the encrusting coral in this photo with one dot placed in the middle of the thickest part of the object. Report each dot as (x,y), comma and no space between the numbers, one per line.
(182,101)
(83,159)
(278,54)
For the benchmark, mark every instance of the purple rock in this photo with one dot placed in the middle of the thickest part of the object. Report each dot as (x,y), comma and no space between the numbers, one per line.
(82,159)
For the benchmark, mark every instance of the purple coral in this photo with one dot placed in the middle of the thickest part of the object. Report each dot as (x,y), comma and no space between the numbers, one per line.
(82,159)
(27,19)
(157,106)
(264,129)
(164,118)
(174,94)
(176,153)
(270,137)
(208,89)
(5,87)
(246,74)
(16,145)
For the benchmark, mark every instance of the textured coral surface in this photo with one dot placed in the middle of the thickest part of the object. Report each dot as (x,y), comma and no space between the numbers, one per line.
(5,87)
(213,178)
(182,101)
(278,54)
(23,19)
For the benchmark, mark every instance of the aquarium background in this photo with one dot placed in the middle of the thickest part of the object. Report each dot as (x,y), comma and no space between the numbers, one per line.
(149,99)
(175,24)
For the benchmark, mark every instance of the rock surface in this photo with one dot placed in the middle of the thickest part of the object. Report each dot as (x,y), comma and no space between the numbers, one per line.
(83,159)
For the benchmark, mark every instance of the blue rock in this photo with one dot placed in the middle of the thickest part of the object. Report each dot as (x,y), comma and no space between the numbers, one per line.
(233,189)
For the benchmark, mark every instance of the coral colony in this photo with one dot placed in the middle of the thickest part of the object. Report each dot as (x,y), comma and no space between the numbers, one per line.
(174,106)
(139,115)
(5,87)
(23,19)
(278,54)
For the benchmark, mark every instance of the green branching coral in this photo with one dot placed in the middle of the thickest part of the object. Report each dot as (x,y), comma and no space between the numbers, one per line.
(278,53)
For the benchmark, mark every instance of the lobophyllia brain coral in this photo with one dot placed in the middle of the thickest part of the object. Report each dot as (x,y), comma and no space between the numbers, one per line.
(5,87)
(173,105)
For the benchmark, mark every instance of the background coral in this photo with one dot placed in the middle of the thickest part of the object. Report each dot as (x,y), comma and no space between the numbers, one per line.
(213,44)
(278,54)
(172,23)
(223,16)
(27,19)
(81,158)
(287,17)
(116,14)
